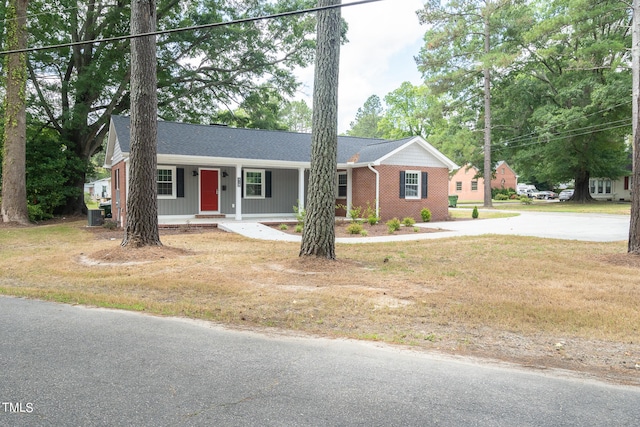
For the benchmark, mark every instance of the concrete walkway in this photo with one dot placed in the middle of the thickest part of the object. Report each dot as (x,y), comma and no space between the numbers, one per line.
(566,226)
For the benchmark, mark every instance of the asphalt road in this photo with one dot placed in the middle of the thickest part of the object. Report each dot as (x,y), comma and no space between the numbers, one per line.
(74,366)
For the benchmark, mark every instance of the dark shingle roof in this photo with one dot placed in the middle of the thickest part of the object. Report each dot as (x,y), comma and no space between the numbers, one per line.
(236,143)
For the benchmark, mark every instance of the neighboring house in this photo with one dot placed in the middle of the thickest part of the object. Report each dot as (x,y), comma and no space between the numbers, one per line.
(219,171)
(609,189)
(468,185)
(99,190)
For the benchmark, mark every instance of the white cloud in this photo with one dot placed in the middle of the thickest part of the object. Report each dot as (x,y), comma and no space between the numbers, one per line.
(383,39)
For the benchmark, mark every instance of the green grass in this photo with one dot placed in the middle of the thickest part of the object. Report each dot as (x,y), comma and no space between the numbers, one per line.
(616,208)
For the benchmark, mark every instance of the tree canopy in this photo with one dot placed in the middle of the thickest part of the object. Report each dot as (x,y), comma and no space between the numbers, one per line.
(74,90)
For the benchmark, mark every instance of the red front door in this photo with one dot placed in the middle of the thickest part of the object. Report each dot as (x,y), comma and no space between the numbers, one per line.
(208,190)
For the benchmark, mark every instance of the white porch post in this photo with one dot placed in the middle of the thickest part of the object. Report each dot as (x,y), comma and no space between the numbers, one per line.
(238,192)
(349,191)
(300,188)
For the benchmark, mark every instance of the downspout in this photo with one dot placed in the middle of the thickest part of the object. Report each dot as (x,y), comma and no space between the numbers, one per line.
(377,189)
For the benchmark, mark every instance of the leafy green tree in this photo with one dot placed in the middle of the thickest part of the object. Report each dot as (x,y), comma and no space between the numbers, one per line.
(367,119)
(466,42)
(200,72)
(296,116)
(262,109)
(572,95)
(411,111)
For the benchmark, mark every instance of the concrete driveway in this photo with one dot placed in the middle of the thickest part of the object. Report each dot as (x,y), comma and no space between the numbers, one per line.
(568,226)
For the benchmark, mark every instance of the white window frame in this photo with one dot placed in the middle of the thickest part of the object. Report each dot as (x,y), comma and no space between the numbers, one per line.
(173,194)
(474,183)
(418,175)
(458,185)
(262,183)
(338,185)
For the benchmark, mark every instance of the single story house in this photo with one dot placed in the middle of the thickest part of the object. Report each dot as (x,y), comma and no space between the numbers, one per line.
(218,171)
(469,186)
(611,189)
(99,190)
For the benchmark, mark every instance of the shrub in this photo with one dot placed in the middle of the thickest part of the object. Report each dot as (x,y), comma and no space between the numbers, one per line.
(372,219)
(299,228)
(393,225)
(36,213)
(425,213)
(501,196)
(300,216)
(474,214)
(408,221)
(283,227)
(354,228)
(416,229)
(525,200)
(364,233)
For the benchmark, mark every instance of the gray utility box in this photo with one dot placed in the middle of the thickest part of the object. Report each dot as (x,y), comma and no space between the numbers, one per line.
(95,217)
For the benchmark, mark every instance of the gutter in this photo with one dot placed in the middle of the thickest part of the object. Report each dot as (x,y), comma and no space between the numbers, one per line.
(377,189)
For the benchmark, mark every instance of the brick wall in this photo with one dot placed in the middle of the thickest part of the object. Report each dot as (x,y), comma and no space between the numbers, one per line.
(391,205)
(118,211)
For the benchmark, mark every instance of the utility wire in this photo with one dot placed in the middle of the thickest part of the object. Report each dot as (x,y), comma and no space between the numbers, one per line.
(192,28)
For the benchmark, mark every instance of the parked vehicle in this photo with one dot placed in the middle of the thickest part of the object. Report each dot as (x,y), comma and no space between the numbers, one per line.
(565,195)
(546,195)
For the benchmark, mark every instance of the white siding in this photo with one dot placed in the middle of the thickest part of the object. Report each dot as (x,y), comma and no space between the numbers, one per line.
(117,153)
(413,155)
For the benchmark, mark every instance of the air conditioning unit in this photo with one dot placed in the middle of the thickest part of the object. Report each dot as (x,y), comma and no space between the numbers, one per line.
(95,217)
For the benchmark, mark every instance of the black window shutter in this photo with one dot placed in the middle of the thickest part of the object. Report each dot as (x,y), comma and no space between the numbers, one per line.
(267,184)
(180,182)
(425,179)
(402,182)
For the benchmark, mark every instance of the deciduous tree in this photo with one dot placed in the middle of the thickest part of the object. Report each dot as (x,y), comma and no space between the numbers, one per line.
(14,187)
(201,72)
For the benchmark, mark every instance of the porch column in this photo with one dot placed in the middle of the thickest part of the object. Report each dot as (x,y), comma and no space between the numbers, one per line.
(349,190)
(301,188)
(238,216)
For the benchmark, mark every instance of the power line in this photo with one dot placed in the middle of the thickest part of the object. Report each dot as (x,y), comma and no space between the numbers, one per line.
(192,28)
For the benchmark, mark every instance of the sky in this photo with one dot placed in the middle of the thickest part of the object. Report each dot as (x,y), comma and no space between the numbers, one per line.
(383,39)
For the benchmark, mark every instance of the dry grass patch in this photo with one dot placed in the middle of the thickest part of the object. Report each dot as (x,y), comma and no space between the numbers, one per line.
(533,301)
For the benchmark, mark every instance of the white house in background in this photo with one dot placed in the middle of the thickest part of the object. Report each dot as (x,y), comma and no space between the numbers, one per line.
(610,189)
(99,190)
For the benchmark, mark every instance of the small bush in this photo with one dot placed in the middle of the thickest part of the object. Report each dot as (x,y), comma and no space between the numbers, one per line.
(299,228)
(502,196)
(283,227)
(393,225)
(372,219)
(425,213)
(475,214)
(36,213)
(364,233)
(354,228)
(408,221)
(301,215)
(416,229)
(110,224)
(525,200)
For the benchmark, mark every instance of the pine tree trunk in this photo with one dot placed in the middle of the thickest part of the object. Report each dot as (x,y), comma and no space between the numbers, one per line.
(634,224)
(142,202)
(318,236)
(488,166)
(14,185)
